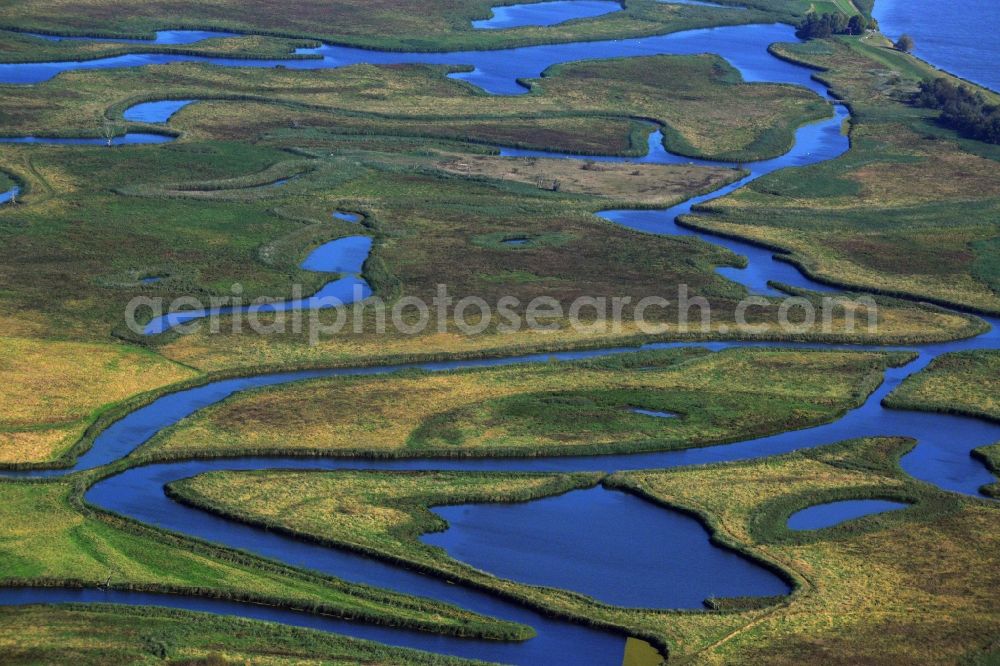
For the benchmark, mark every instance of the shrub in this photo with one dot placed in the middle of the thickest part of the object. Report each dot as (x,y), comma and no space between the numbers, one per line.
(962,109)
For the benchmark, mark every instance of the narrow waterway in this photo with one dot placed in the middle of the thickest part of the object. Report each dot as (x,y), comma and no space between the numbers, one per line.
(344,256)
(497,72)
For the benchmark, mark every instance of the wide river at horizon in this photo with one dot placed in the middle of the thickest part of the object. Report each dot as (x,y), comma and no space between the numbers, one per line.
(957,36)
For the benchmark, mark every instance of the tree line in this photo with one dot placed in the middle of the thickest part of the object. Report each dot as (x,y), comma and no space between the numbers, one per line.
(818,26)
(962,109)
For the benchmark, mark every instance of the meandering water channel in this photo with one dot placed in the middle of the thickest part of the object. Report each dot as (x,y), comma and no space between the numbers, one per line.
(545,13)
(941,457)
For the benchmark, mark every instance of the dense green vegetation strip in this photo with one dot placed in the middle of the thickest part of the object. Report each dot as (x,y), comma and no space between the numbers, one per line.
(97,634)
(55,540)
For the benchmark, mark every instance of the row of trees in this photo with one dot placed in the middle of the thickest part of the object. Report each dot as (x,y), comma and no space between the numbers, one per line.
(818,26)
(962,109)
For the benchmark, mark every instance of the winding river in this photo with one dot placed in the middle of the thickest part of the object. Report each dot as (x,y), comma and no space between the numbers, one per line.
(941,457)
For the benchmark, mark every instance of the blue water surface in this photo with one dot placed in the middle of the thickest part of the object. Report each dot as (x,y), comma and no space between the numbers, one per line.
(654,413)
(959,36)
(545,13)
(155,112)
(833,513)
(497,71)
(9,194)
(343,255)
(610,537)
(131,138)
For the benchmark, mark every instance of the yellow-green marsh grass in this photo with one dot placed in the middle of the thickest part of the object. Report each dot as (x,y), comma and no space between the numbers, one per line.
(396,24)
(54,389)
(53,382)
(643,184)
(19,47)
(99,635)
(897,322)
(963,382)
(990,455)
(556,408)
(39,445)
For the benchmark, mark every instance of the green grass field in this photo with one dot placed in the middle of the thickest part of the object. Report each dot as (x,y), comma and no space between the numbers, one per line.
(99,634)
(555,408)
(73,254)
(417,100)
(74,215)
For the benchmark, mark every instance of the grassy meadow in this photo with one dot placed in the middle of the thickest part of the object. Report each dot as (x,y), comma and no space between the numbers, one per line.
(911,209)
(382,141)
(583,407)
(990,455)
(893,322)
(49,539)
(20,47)
(75,226)
(55,389)
(643,184)
(87,229)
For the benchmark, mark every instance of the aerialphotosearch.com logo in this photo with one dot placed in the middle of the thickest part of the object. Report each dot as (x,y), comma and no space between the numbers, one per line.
(358,311)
